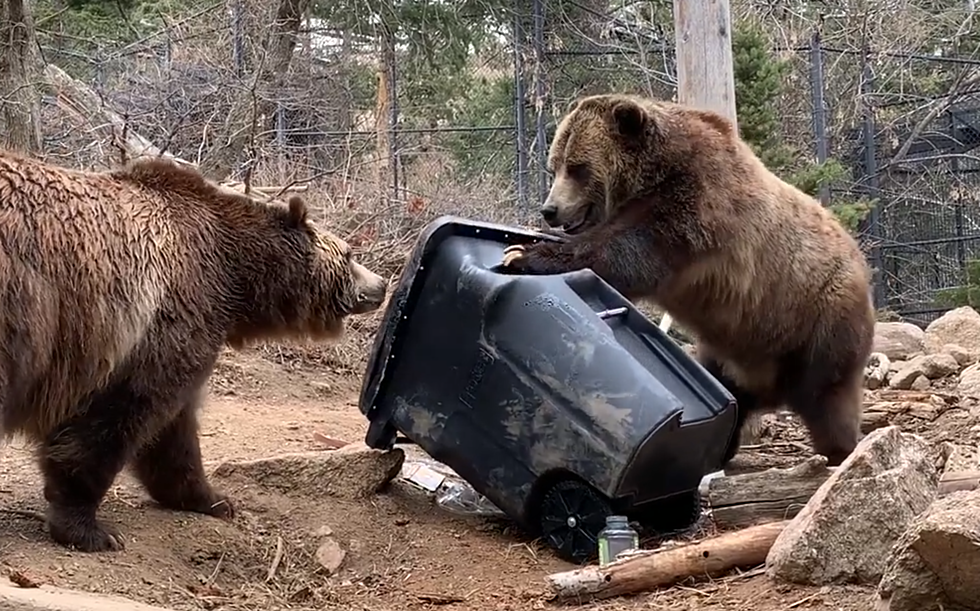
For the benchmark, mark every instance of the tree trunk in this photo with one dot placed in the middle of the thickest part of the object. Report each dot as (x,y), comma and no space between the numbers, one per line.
(239,130)
(19,71)
(383,116)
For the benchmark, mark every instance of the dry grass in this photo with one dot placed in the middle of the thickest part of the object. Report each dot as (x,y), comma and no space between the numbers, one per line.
(383,234)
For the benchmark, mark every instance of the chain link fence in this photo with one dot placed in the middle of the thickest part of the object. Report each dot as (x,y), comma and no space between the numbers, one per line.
(388,130)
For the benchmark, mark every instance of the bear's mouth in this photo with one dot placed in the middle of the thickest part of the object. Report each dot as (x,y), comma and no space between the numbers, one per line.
(587,220)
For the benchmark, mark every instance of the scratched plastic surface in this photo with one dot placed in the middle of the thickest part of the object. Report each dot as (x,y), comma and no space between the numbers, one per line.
(507,378)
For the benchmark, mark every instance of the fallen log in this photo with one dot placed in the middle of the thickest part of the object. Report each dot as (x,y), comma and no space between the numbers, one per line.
(901,409)
(739,501)
(647,571)
(84,104)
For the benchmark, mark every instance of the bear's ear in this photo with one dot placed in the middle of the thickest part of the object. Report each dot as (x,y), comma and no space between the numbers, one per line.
(572,106)
(629,119)
(297,211)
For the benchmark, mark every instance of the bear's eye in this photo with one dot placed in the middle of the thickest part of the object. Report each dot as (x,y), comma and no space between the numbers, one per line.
(578,171)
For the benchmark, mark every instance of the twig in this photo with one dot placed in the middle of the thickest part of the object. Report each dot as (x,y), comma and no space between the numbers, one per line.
(803,600)
(440,599)
(276,559)
(214,573)
(26,513)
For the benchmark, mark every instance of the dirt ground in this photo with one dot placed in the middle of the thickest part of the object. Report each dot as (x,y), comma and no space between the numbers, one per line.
(403,552)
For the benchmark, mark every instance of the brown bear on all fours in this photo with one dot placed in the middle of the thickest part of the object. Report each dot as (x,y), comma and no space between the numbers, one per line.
(120,288)
(666,202)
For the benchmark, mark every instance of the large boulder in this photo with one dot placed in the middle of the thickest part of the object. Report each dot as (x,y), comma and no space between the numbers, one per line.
(936,563)
(899,340)
(960,326)
(963,356)
(969,382)
(846,530)
(929,366)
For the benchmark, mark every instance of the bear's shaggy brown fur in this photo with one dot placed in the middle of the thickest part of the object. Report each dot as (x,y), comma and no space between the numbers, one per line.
(667,202)
(119,290)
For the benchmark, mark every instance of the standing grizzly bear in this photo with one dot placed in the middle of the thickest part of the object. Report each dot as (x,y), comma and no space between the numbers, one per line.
(119,290)
(668,203)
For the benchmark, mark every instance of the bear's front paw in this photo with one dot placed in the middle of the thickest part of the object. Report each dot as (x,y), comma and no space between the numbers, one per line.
(511,254)
(513,261)
(77,528)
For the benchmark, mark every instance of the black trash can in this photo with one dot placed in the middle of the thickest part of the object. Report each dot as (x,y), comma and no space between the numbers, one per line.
(553,396)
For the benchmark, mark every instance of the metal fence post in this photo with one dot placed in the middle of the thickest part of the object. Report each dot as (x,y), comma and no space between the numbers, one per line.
(819,108)
(871,176)
(540,143)
(520,177)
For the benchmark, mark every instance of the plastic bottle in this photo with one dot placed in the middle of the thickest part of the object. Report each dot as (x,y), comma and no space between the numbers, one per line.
(615,538)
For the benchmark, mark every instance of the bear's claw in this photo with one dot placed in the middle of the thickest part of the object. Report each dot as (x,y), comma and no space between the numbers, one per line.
(511,254)
(82,532)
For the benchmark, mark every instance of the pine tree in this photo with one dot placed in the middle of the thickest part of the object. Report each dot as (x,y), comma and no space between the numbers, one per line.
(759,83)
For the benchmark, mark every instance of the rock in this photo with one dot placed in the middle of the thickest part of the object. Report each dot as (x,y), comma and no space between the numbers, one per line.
(846,530)
(920,383)
(935,366)
(330,556)
(969,384)
(935,563)
(963,356)
(877,370)
(908,584)
(932,366)
(960,326)
(899,340)
(904,378)
(48,598)
(353,471)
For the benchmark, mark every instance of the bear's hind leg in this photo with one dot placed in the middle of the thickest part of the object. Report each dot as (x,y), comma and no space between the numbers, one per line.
(79,460)
(832,415)
(824,384)
(171,470)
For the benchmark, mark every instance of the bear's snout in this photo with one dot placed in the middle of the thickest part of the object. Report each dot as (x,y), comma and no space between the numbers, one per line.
(550,214)
(371,290)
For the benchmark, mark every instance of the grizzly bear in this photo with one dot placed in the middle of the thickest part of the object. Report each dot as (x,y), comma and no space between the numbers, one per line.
(119,290)
(666,202)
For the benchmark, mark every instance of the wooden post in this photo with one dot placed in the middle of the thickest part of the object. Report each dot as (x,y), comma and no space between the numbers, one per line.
(705,71)
(703,43)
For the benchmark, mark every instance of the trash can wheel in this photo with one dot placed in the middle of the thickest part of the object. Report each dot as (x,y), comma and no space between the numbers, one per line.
(570,516)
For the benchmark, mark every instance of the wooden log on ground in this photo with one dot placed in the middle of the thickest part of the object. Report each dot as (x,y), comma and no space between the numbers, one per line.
(896,407)
(740,501)
(664,567)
